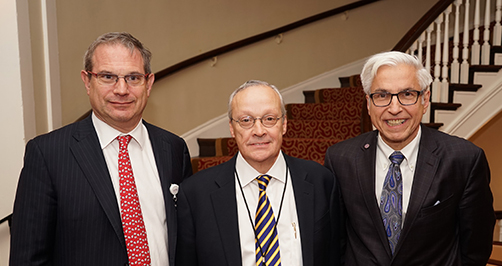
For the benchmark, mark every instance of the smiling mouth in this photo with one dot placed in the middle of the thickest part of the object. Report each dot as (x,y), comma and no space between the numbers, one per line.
(259,144)
(395,122)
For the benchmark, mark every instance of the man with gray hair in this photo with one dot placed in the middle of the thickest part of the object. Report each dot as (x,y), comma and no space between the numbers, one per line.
(411,195)
(97,192)
(262,207)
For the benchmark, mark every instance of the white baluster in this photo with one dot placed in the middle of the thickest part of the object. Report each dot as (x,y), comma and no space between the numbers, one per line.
(421,40)
(436,84)
(455,65)
(443,97)
(485,51)
(413,48)
(426,117)
(475,46)
(464,68)
(500,232)
(497,30)
(428,48)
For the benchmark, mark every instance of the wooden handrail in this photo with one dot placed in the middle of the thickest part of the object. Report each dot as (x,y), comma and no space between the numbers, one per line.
(5,219)
(239,44)
(421,25)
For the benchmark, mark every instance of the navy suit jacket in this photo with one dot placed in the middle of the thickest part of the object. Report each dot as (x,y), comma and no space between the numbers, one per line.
(450,216)
(66,211)
(208,223)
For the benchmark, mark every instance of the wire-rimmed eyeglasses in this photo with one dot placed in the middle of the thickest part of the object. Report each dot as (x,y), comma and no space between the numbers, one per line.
(112,79)
(247,121)
(407,97)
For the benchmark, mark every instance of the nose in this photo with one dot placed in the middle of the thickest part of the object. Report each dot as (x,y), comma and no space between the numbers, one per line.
(121,87)
(395,106)
(258,128)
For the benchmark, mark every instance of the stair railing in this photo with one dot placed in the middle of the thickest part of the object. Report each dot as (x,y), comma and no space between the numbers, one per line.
(433,32)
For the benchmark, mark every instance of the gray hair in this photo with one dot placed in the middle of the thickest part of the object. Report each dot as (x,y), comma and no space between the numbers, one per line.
(393,58)
(252,83)
(122,38)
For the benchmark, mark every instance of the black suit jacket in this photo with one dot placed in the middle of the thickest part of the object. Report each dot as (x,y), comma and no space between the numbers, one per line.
(450,217)
(208,221)
(66,211)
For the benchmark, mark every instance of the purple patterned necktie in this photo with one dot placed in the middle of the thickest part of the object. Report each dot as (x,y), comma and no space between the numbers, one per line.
(391,200)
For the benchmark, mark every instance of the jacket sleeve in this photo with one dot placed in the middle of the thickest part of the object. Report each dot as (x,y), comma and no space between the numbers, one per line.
(34,216)
(476,215)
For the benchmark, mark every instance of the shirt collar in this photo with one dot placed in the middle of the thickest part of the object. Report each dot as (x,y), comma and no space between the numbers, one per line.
(246,173)
(107,134)
(410,151)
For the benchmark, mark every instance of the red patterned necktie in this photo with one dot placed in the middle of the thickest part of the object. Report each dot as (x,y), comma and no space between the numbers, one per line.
(132,219)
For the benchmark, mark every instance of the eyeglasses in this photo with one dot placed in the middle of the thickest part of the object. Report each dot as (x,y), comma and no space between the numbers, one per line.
(407,97)
(247,122)
(111,79)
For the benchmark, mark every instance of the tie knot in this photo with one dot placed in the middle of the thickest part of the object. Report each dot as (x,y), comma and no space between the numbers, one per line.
(396,157)
(263,181)
(124,140)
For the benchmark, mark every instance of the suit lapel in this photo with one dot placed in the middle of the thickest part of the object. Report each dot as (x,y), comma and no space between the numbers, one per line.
(225,210)
(366,178)
(87,152)
(427,164)
(304,199)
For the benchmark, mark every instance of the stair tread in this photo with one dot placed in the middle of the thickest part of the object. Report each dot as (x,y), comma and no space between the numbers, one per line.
(324,111)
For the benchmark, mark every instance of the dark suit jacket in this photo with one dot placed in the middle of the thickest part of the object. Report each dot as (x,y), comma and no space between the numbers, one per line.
(66,211)
(450,217)
(207,215)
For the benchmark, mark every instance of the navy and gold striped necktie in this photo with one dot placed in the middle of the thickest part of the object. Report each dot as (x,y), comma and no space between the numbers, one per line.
(267,241)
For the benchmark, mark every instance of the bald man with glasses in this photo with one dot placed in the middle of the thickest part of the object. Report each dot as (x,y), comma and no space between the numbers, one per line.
(262,207)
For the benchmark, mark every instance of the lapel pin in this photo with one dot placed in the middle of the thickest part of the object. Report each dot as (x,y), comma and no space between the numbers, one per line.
(174,190)
(366,145)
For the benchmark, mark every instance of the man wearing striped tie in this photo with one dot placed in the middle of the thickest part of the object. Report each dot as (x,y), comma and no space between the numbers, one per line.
(262,207)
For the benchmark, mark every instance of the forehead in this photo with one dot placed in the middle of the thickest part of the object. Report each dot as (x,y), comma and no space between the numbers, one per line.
(117,55)
(256,101)
(395,78)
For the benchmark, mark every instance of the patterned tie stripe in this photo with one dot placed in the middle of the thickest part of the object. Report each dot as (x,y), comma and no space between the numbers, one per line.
(132,218)
(391,200)
(267,242)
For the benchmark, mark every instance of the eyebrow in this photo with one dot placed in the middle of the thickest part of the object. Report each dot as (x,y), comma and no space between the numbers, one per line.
(384,90)
(111,73)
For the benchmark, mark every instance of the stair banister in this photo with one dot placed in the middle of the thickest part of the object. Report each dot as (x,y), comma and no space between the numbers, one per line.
(485,50)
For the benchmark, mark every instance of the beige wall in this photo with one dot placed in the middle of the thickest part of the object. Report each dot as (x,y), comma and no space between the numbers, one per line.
(489,138)
(177,30)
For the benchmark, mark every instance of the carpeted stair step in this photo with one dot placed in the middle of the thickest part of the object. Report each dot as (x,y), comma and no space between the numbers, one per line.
(308,149)
(351,81)
(323,129)
(353,95)
(324,111)
(201,163)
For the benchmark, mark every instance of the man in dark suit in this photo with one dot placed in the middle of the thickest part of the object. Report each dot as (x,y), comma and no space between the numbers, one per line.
(219,221)
(72,206)
(440,212)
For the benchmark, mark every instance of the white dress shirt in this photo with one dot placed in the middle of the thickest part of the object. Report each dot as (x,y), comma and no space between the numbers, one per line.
(288,226)
(407,166)
(147,181)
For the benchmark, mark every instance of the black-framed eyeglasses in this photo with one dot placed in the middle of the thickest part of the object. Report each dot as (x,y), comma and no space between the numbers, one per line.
(407,97)
(247,121)
(112,79)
